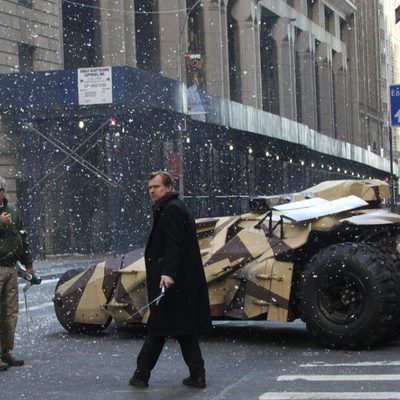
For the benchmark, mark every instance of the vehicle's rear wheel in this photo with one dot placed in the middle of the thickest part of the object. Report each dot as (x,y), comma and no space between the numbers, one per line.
(350,296)
(66,276)
(65,312)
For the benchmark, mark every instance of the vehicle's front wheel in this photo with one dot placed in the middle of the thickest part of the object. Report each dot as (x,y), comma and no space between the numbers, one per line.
(350,296)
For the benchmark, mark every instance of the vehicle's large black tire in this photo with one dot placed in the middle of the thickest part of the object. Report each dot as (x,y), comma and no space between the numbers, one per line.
(350,296)
(63,315)
(392,252)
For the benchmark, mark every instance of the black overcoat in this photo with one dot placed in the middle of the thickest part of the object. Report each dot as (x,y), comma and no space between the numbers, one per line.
(173,250)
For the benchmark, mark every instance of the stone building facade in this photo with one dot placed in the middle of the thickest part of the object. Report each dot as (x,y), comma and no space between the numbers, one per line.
(278,73)
(390,62)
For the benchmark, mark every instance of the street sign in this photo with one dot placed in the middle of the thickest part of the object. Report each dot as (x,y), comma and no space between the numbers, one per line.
(94,85)
(395,104)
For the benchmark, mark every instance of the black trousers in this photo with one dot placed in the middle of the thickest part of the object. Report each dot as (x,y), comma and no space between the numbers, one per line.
(153,346)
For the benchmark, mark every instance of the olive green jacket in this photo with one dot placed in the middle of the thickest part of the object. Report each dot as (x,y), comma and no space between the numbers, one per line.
(13,239)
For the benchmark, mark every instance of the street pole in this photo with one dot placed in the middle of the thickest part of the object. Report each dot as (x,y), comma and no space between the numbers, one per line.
(112,191)
(392,191)
(181,180)
(393,106)
(31,216)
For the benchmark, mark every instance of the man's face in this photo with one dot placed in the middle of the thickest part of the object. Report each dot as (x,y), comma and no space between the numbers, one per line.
(157,189)
(1,194)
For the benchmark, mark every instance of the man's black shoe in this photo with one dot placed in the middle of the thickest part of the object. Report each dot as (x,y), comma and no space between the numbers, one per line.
(3,366)
(138,382)
(9,359)
(195,381)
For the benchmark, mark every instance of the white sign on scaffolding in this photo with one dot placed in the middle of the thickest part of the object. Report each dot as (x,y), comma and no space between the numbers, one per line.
(94,85)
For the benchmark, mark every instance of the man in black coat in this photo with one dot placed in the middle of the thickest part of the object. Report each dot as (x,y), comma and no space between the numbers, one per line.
(173,261)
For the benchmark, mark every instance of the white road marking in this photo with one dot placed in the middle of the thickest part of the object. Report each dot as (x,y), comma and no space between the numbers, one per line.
(222,394)
(357,364)
(331,396)
(39,307)
(45,281)
(315,378)
(338,395)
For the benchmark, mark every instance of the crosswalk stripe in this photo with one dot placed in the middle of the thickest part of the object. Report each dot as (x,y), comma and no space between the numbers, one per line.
(330,396)
(370,377)
(354,364)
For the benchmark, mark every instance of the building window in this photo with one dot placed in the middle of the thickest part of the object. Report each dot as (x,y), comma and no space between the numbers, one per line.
(25,3)
(317,90)
(195,30)
(25,55)
(343,28)
(147,36)
(329,21)
(81,34)
(234,59)
(310,9)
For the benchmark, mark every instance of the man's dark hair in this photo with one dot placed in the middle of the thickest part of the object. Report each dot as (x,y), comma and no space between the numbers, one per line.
(166,177)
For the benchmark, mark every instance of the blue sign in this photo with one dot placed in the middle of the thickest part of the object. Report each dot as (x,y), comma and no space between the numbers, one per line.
(395,104)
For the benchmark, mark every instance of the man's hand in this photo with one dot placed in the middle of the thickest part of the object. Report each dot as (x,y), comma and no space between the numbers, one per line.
(30,270)
(166,281)
(5,218)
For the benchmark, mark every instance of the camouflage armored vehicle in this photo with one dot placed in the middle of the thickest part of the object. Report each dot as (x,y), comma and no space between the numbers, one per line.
(326,255)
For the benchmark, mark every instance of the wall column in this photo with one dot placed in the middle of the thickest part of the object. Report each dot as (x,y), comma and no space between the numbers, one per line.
(225,50)
(341,101)
(325,89)
(307,108)
(283,34)
(355,134)
(117,34)
(318,13)
(248,60)
(248,64)
(258,71)
(301,6)
(169,31)
(215,44)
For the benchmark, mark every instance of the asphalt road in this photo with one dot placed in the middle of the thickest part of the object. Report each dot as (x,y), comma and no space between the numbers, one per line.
(244,360)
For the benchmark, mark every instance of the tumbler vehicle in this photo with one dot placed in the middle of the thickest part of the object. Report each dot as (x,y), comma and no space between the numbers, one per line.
(327,255)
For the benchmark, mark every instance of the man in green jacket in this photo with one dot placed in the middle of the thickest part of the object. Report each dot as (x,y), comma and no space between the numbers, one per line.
(13,248)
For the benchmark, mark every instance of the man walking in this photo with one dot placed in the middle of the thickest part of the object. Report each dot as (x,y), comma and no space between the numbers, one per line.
(13,248)
(173,262)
